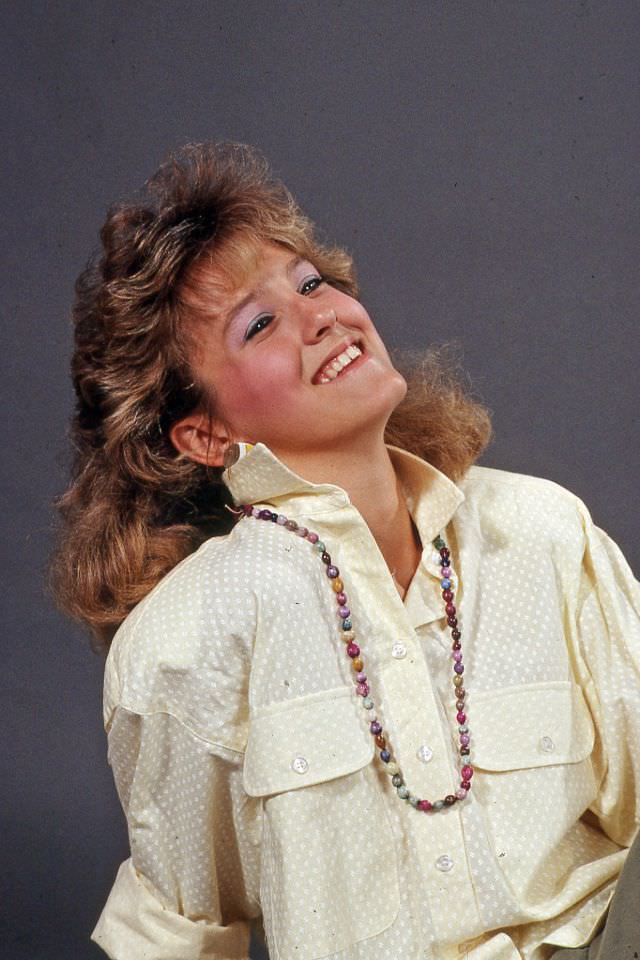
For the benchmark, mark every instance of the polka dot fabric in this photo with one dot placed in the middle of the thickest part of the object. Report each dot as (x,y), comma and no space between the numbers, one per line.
(245,767)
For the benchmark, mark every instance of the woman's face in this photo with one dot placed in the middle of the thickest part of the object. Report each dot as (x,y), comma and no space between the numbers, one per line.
(268,359)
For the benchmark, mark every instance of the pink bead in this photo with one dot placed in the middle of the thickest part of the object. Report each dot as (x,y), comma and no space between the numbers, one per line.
(457,655)
(361,677)
(312,537)
(464,739)
(341,599)
(446,572)
(466,773)
(363,689)
(353,650)
(460,716)
(424,805)
(461,794)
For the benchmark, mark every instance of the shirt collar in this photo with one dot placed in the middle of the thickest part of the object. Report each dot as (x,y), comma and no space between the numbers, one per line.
(260,477)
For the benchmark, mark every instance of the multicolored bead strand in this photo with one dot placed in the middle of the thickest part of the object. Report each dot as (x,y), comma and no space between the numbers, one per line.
(354,653)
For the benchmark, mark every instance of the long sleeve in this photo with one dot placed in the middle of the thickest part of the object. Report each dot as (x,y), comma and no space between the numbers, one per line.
(187,891)
(608,629)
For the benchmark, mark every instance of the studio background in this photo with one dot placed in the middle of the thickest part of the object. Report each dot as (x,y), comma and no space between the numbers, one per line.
(479,159)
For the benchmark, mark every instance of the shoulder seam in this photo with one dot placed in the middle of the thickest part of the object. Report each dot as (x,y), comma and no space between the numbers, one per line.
(190,730)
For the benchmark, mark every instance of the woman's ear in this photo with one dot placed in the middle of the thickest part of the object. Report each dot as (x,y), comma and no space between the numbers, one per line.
(201,439)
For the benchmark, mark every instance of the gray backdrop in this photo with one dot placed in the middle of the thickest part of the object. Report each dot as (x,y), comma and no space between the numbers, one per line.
(478,158)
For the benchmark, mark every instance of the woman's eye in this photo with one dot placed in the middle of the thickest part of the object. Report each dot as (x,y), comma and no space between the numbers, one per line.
(311,283)
(257,325)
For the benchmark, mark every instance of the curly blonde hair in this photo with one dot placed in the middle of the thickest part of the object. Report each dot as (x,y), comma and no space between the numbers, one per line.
(134,507)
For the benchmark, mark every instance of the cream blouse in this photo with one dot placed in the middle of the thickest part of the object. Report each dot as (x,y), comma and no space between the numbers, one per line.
(246,771)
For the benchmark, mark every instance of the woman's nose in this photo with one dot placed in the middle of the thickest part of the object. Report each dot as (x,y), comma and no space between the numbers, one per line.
(319,321)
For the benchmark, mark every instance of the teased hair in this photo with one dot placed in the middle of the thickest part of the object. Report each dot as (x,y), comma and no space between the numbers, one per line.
(135,507)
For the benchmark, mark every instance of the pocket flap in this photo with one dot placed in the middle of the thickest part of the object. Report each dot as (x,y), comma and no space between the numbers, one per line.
(305,741)
(535,725)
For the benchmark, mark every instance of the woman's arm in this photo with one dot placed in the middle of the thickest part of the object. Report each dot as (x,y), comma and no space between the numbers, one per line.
(608,635)
(189,890)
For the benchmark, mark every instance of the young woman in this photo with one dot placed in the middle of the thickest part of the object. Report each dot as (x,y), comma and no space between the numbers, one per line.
(386,704)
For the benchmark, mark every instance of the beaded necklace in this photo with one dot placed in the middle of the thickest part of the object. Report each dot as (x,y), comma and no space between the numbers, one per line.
(362,688)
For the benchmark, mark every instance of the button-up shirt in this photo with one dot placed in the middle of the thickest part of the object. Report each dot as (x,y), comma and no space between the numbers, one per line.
(248,774)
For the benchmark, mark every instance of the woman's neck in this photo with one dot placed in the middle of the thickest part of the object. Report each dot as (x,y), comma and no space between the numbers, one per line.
(368,477)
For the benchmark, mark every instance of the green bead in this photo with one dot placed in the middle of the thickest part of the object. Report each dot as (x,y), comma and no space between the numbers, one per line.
(396,780)
(320,546)
(463,729)
(367,703)
(439,543)
(438,804)
(413,800)
(403,793)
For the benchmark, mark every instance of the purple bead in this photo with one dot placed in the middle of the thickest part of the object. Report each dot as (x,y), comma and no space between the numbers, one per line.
(446,572)
(375,728)
(361,677)
(281,520)
(458,668)
(332,572)
(457,655)
(362,689)
(265,515)
(385,756)
(344,612)
(312,537)
(255,512)
(464,739)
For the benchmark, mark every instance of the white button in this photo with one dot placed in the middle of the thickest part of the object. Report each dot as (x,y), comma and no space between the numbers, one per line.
(444,863)
(299,764)
(547,744)
(398,650)
(425,753)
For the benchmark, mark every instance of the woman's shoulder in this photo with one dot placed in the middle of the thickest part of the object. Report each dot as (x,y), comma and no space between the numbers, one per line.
(524,507)
(185,649)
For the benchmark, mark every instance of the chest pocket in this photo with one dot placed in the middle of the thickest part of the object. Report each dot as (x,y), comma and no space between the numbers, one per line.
(534,776)
(535,725)
(327,840)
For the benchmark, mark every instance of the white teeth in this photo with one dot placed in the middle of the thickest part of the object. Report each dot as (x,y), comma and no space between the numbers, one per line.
(333,368)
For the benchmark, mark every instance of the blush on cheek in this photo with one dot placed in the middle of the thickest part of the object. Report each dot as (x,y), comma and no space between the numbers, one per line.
(250,395)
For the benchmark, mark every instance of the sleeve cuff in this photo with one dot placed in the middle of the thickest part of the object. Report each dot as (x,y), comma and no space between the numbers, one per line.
(134,925)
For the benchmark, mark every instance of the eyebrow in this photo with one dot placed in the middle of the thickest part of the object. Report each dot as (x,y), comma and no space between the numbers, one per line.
(255,292)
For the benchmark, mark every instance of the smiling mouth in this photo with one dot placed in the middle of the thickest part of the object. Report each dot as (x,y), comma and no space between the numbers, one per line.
(332,370)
